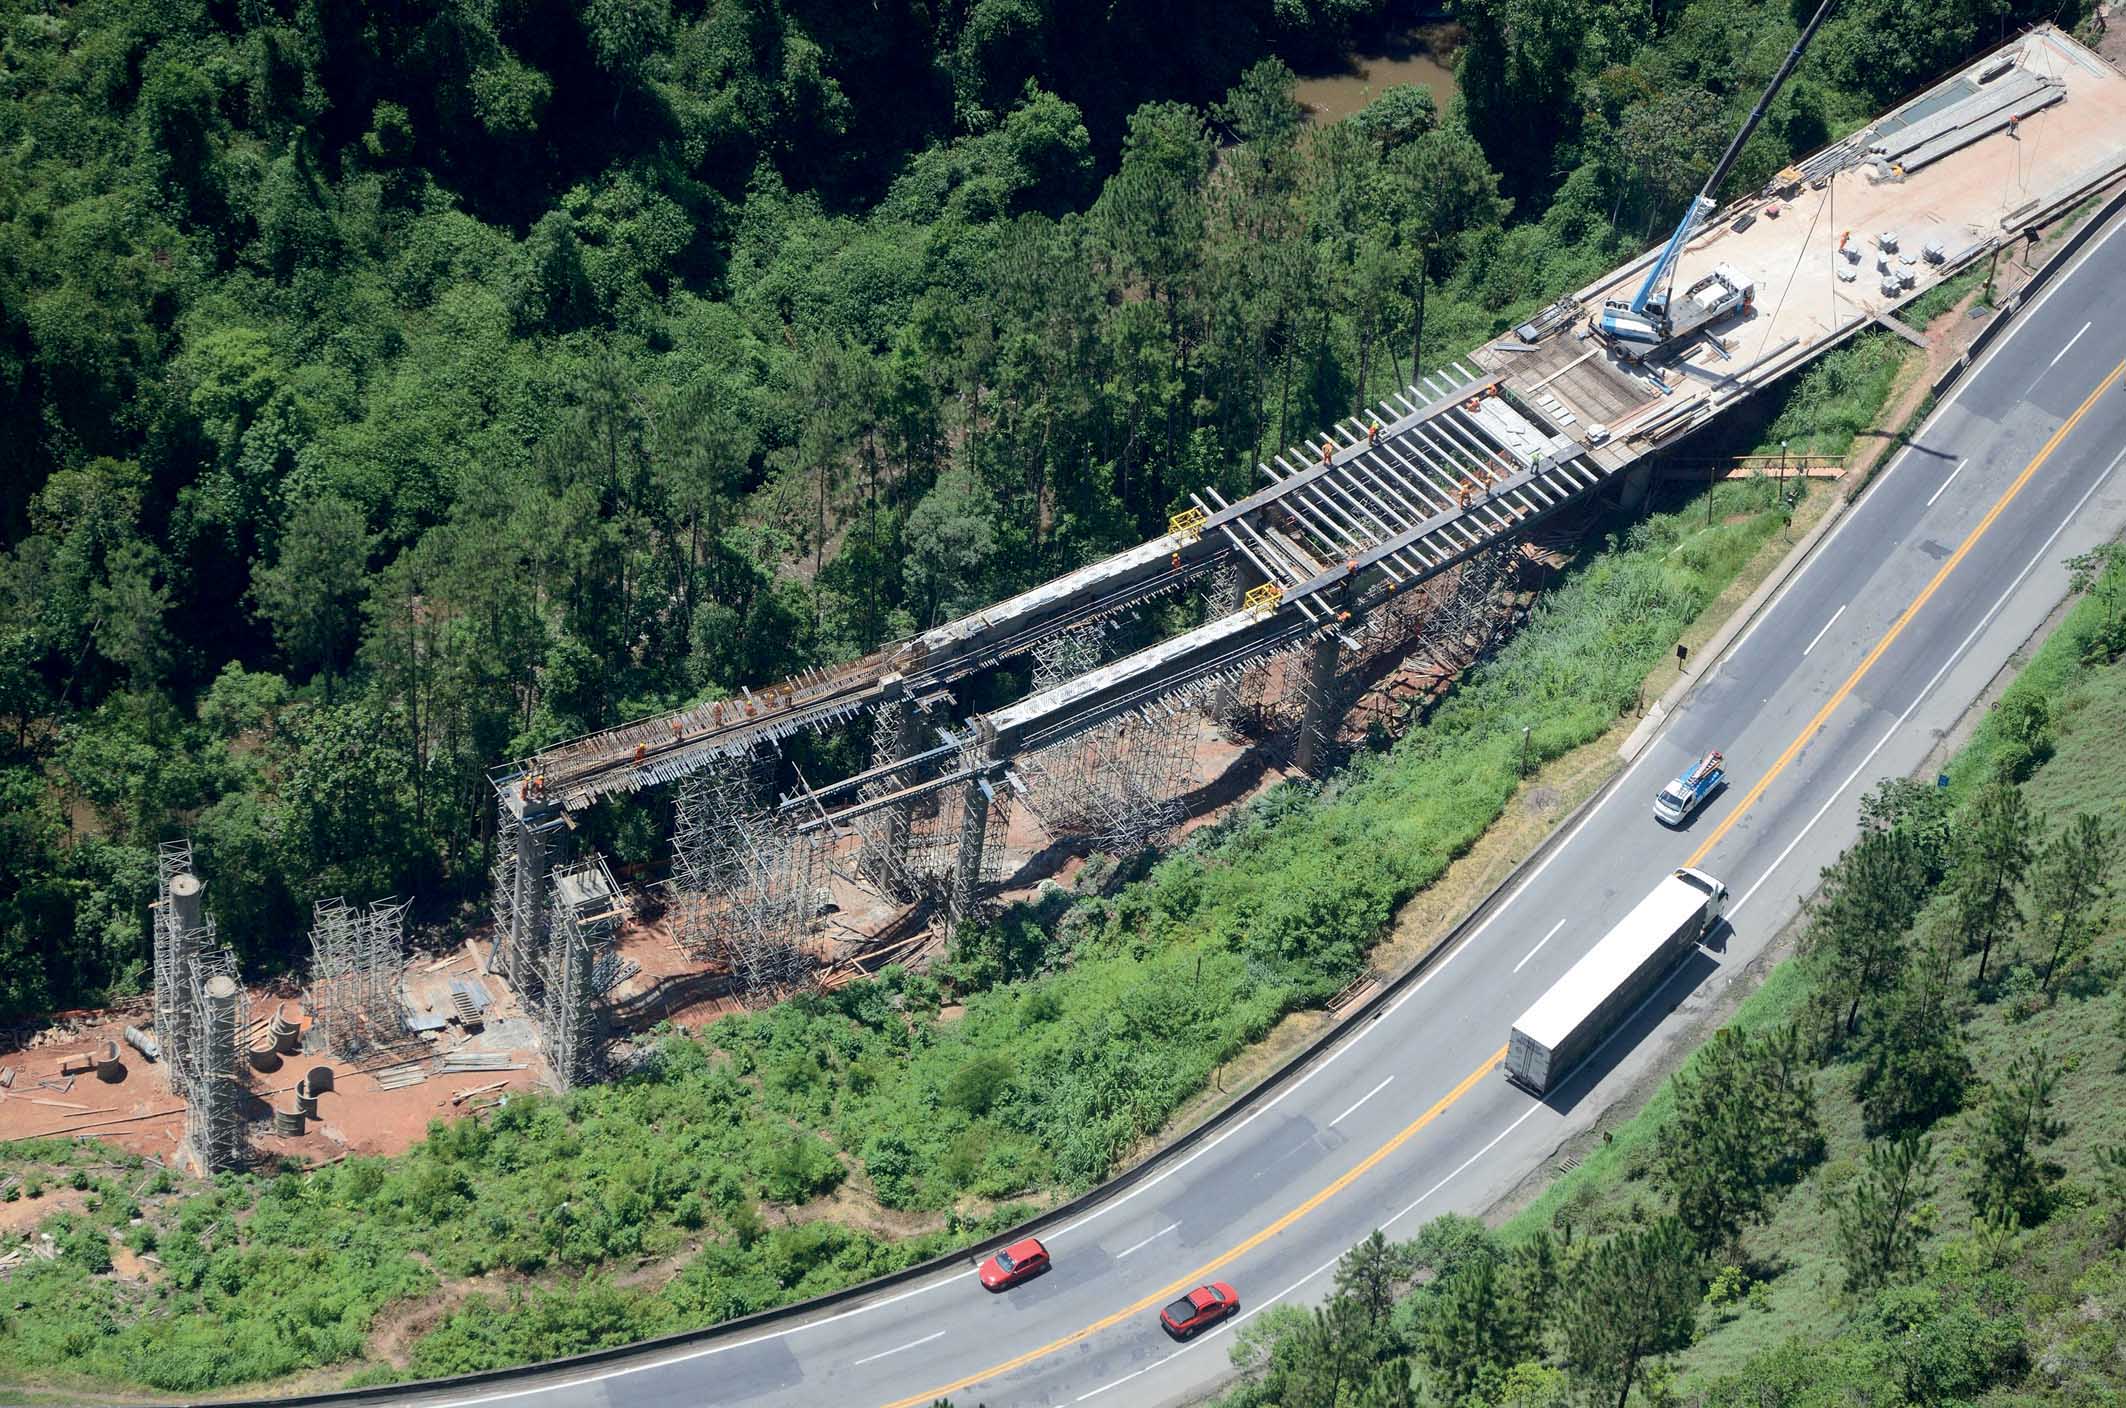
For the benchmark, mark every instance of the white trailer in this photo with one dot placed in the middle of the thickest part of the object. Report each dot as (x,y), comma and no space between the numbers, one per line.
(1611,979)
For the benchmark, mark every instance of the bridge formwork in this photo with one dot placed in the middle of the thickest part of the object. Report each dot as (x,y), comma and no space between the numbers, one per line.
(1392,532)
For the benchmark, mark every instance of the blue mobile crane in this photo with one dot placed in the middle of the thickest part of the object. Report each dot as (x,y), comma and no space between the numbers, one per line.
(1651,322)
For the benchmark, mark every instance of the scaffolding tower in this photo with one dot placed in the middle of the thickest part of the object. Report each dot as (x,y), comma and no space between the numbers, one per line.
(358,958)
(198,1010)
(525,853)
(215,1130)
(1120,786)
(587,909)
(884,834)
(180,928)
(746,882)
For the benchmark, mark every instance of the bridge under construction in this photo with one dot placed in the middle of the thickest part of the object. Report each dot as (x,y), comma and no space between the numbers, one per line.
(1370,527)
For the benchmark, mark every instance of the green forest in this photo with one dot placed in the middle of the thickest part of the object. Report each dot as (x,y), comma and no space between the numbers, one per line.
(1898,1177)
(388,391)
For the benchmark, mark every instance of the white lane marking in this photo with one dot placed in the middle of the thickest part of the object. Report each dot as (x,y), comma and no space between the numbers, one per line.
(1825,631)
(1362,1100)
(898,1348)
(1532,1110)
(1525,1116)
(1947,482)
(1160,1362)
(2024,318)
(1269,1301)
(1920,698)
(2063,351)
(1539,945)
(1140,1246)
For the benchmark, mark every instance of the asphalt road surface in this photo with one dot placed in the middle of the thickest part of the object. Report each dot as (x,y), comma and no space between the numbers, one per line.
(1904,612)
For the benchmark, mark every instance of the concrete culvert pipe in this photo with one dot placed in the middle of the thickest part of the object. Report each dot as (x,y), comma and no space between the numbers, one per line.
(263,1057)
(287,1030)
(319,1079)
(109,1069)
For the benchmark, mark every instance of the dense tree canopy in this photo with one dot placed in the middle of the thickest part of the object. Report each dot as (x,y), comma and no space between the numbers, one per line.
(386,392)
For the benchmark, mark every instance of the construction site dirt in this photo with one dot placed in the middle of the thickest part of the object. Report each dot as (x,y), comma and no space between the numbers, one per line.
(132,1108)
(383,1101)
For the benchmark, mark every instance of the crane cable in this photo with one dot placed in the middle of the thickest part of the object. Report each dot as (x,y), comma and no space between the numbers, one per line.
(1802,254)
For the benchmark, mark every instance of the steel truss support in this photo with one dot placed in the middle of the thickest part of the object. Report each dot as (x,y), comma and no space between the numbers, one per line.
(357,962)
(198,1012)
(575,1026)
(746,882)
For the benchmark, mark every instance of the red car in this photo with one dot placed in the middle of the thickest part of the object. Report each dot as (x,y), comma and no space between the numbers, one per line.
(1014,1264)
(1199,1310)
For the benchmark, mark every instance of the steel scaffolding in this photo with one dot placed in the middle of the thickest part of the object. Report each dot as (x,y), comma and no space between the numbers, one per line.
(214,1120)
(746,884)
(198,1008)
(1120,786)
(574,1022)
(180,928)
(884,835)
(357,962)
(523,856)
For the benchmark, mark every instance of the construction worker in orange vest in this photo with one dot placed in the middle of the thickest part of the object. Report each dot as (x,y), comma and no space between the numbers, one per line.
(1328,452)
(1373,434)
(642,750)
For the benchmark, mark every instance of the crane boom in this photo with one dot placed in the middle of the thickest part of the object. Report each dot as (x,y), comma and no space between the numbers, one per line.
(1640,326)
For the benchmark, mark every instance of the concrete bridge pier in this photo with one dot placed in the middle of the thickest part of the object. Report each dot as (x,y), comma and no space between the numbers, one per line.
(1317,721)
(895,734)
(962,903)
(524,855)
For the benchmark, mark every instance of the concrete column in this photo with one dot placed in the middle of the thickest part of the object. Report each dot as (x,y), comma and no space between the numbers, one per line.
(1635,484)
(188,899)
(523,946)
(974,834)
(1318,719)
(213,1117)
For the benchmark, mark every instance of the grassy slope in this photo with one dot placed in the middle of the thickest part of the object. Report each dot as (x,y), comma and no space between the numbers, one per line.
(2074,1291)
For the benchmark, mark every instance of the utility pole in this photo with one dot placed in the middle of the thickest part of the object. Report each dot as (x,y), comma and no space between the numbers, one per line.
(1783,509)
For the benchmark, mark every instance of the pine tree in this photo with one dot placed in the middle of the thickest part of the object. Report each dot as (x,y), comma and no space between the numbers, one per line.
(1857,924)
(1636,1298)
(2068,886)
(1372,1274)
(1881,1222)
(1992,852)
(1914,1068)
(1745,1123)
(2013,1125)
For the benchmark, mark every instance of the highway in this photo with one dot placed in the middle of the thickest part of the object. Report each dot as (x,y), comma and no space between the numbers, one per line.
(1852,672)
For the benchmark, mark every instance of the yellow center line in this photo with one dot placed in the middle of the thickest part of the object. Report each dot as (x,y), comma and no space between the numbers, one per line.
(1897,628)
(1204,1272)
(1469,1082)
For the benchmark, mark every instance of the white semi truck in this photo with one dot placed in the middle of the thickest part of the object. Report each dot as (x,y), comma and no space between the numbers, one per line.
(1614,976)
